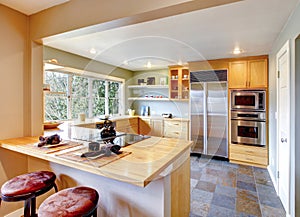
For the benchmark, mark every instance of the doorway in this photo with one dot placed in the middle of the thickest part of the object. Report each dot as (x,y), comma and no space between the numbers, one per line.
(283,125)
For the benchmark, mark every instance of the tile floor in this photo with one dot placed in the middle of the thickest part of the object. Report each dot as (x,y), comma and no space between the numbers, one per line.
(219,188)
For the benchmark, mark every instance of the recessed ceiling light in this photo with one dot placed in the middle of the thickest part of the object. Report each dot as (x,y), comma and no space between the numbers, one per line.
(237,51)
(93,51)
(149,65)
(125,62)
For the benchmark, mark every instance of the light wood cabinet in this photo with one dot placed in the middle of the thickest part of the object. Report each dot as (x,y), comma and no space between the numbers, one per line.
(250,155)
(179,82)
(151,127)
(248,74)
(130,125)
(176,129)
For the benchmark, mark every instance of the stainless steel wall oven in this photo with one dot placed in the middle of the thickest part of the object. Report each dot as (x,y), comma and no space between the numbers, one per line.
(248,128)
(248,117)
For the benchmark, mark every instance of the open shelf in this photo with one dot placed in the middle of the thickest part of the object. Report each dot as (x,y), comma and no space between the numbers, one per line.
(148,99)
(149,86)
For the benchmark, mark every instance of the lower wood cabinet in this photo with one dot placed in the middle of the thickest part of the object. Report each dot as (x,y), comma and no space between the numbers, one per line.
(130,125)
(164,128)
(176,129)
(151,127)
(250,155)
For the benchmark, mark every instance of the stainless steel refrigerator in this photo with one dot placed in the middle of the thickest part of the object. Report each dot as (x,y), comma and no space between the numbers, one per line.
(208,115)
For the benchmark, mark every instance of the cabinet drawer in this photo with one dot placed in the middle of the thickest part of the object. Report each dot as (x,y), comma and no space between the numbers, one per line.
(249,150)
(249,158)
(176,129)
(250,154)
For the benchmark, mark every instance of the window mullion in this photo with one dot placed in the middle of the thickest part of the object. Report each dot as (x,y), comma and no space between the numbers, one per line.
(90,97)
(106,98)
(69,96)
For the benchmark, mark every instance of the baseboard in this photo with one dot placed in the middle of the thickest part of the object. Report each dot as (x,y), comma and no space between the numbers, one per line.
(273,179)
(16,213)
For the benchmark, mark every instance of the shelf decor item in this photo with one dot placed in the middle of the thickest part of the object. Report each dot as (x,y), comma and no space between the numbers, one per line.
(151,81)
(141,81)
(163,81)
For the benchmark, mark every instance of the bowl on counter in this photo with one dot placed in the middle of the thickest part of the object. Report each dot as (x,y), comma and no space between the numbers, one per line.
(52,124)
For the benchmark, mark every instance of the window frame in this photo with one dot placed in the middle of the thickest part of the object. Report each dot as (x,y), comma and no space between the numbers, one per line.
(90,76)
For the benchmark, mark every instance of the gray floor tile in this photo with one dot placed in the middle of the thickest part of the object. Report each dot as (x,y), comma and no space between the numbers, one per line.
(201,196)
(195,174)
(223,201)
(246,186)
(209,178)
(200,209)
(206,186)
(245,178)
(217,211)
(225,190)
(268,211)
(219,188)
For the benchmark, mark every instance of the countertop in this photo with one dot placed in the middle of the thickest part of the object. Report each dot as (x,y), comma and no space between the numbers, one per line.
(123,117)
(149,159)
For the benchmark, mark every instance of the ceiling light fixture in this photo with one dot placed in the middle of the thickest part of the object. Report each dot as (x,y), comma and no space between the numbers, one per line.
(93,51)
(149,65)
(237,51)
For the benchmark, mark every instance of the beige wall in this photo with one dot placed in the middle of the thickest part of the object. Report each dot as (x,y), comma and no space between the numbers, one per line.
(13,64)
(78,62)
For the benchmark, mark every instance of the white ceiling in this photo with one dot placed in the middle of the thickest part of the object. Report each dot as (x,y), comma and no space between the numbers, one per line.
(29,7)
(252,25)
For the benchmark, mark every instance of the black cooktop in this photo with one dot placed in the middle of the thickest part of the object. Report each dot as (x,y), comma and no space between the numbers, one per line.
(125,139)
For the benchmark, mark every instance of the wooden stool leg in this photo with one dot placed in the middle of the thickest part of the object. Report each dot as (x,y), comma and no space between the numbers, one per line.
(33,207)
(55,187)
(27,208)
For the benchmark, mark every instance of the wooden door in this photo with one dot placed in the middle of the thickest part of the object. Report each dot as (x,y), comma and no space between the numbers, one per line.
(258,73)
(238,76)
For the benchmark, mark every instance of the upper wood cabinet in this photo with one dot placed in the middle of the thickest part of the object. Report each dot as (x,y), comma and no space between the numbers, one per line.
(179,82)
(248,74)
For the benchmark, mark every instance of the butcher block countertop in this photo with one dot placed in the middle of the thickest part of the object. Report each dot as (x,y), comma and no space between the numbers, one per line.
(140,164)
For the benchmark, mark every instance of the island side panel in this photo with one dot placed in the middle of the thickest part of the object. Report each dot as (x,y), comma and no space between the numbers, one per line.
(118,199)
(180,190)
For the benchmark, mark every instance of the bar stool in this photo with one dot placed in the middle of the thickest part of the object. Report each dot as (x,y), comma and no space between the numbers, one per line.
(27,187)
(71,202)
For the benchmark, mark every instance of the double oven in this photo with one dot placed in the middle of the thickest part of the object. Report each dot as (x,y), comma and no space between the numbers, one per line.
(248,117)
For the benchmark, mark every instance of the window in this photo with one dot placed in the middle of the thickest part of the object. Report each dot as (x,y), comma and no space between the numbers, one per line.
(71,95)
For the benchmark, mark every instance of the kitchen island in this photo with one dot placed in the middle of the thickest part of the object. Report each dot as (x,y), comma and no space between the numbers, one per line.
(153,179)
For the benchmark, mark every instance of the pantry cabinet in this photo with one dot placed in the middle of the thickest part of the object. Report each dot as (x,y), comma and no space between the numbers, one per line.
(248,74)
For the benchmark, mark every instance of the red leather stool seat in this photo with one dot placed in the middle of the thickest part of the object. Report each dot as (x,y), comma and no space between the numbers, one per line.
(71,202)
(27,183)
(27,187)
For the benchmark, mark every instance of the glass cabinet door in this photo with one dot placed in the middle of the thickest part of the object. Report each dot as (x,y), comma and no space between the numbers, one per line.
(174,84)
